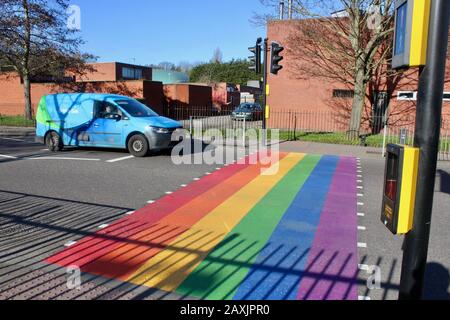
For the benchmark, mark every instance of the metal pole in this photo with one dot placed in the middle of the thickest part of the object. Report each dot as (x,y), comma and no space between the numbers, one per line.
(428,121)
(289,9)
(265,63)
(243,133)
(384,139)
(281,10)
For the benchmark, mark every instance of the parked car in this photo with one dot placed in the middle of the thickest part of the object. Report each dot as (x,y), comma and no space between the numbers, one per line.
(102,120)
(247,111)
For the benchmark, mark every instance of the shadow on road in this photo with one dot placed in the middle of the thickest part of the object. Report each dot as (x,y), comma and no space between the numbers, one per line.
(444,181)
(437,282)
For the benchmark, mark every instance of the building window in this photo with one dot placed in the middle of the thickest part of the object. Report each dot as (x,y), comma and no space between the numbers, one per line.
(339,93)
(407,95)
(131,73)
(446,96)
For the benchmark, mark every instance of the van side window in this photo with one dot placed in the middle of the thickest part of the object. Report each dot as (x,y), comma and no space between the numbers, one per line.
(105,110)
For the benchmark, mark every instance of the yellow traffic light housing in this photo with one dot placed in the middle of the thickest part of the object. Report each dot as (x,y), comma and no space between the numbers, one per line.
(412,18)
(402,165)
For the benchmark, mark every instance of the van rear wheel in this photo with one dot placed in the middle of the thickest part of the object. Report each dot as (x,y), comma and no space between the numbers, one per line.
(54,142)
(138,146)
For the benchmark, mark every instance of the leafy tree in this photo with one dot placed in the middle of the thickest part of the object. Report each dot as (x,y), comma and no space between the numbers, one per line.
(234,71)
(35,39)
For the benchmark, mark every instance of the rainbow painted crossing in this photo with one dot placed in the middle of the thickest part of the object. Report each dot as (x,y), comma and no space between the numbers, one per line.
(237,234)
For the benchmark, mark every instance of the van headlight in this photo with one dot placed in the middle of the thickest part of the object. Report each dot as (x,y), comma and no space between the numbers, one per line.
(159,130)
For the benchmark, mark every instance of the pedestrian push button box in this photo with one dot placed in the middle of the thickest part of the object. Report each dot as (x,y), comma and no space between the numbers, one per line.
(400,182)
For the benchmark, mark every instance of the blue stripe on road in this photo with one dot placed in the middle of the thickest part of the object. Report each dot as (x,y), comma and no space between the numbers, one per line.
(278,269)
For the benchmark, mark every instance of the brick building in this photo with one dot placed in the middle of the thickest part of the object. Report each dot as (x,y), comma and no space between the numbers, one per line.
(112,77)
(318,97)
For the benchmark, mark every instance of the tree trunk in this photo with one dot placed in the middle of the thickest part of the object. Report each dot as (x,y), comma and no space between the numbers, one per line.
(27,96)
(357,106)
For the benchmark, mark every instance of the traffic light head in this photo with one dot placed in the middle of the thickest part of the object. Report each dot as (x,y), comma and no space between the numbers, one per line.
(255,59)
(276,49)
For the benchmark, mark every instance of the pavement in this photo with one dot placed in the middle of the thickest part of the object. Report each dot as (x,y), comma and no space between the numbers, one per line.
(17,132)
(128,224)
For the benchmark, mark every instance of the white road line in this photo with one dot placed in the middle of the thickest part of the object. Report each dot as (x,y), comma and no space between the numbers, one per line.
(151,201)
(361,214)
(63,158)
(364,267)
(12,139)
(169,192)
(69,244)
(7,157)
(359,176)
(130,213)
(360,195)
(363,298)
(120,159)
(183,185)
(208,173)
(360,187)
(103,226)
(360,203)
(361,228)
(359,181)
(196,179)
(359,171)
(362,245)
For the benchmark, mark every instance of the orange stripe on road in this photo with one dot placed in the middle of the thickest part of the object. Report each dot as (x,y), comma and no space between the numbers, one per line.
(122,262)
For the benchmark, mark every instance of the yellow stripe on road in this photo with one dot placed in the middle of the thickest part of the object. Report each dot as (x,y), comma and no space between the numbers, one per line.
(168,269)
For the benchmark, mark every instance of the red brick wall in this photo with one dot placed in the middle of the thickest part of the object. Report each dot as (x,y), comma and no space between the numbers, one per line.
(288,91)
(12,100)
(177,95)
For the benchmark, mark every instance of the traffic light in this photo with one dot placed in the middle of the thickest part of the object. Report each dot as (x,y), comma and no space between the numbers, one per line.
(256,58)
(276,58)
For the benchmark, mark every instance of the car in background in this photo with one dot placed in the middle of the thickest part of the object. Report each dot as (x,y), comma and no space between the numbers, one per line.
(247,112)
(102,120)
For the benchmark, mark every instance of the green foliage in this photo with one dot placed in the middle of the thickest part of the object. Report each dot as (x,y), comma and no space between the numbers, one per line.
(235,71)
(15,121)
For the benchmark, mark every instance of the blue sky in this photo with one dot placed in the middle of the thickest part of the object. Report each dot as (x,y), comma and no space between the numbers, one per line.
(151,31)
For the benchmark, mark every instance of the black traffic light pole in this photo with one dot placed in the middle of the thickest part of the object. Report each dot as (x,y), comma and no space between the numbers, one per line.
(264,88)
(428,125)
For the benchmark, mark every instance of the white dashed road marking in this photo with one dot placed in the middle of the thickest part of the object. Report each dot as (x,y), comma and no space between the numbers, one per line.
(120,159)
(362,245)
(129,213)
(7,157)
(70,243)
(361,214)
(12,139)
(103,226)
(151,201)
(363,298)
(62,158)
(361,228)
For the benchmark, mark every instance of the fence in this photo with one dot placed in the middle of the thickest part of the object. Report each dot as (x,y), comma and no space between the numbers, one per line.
(315,126)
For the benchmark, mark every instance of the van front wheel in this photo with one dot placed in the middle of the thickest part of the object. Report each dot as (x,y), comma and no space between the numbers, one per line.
(54,142)
(138,146)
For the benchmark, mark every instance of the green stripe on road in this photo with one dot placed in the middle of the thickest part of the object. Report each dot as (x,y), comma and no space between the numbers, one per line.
(220,274)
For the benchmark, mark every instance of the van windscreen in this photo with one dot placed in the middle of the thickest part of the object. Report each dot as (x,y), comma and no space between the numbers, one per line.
(135,108)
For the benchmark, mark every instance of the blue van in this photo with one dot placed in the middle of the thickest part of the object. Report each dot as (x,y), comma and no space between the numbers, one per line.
(102,120)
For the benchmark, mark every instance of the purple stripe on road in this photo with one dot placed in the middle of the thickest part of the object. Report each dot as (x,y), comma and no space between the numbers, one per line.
(332,265)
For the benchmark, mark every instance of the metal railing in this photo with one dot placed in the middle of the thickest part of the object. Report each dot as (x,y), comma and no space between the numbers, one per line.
(301,125)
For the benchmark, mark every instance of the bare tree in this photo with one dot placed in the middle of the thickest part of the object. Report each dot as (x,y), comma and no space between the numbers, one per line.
(345,41)
(217,56)
(35,39)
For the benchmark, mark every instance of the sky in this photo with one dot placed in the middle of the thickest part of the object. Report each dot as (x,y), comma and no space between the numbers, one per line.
(151,31)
